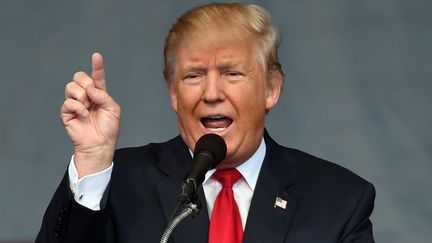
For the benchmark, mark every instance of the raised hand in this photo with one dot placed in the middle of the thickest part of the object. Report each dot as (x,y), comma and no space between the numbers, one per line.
(91,118)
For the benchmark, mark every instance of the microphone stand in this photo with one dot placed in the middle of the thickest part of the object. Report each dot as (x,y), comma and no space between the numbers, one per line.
(187,196)
(190,209)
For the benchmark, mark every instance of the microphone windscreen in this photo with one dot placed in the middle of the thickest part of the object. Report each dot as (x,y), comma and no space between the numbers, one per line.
(214,144)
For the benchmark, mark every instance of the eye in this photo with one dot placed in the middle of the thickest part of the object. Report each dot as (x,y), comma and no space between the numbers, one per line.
(234,76)
(192,78)
(233,73)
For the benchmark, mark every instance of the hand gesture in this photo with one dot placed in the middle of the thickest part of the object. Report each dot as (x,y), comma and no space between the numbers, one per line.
(91,119)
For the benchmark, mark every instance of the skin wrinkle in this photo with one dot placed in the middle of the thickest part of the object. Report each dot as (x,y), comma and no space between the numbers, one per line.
(229,82)
(234,21)
(257,50)
(223,67)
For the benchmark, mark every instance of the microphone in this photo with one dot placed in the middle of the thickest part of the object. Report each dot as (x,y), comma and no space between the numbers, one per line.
(209,151)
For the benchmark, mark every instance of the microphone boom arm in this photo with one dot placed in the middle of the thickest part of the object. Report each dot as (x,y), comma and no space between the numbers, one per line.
(191,209)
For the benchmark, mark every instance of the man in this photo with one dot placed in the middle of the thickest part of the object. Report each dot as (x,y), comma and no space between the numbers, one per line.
(223,77)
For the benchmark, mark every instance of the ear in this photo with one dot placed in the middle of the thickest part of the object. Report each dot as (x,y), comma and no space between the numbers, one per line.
(173,94)
(273,89)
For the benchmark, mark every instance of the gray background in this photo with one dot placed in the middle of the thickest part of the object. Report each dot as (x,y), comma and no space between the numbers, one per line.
(357,92)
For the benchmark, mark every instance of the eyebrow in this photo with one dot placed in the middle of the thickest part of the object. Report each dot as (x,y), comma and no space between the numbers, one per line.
(228,64)
(191,68)
(222,65)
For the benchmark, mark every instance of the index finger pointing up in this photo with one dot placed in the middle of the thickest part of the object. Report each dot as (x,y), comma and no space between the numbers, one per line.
(98,71)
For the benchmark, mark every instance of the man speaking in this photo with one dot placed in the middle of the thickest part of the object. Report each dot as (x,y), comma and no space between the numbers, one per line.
(223,77)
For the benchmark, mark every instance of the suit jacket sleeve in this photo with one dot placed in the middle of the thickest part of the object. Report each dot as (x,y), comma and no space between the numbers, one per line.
(67,221)
(359,227)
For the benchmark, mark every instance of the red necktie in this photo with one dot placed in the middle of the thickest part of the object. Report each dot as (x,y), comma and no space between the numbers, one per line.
(225,222)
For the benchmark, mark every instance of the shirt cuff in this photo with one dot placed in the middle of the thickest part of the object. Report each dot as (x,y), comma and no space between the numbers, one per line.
(88,190)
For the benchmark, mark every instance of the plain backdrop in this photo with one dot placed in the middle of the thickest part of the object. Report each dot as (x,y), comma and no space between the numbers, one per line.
(357,92)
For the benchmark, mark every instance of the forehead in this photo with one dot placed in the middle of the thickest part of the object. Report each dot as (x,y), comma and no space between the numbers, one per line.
(211,45)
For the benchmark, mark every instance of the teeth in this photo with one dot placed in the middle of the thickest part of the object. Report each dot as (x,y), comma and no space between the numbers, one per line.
(215,117)
(219,129)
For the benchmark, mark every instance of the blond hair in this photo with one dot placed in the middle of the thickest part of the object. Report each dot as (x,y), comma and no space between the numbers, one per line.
(240,20)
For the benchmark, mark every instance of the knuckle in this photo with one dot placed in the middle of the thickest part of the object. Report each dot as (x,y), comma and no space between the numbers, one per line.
(71,104)
(69,87)
(82,79)
(68,103)
(78,74)
(79,94)
(62,118)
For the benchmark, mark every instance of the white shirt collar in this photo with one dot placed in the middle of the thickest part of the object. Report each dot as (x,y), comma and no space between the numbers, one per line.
(250,168)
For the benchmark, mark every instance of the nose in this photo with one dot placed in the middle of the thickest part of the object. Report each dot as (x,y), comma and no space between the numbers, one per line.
(213,89)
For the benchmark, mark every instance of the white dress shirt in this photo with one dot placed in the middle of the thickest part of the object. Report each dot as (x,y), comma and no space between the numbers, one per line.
(243,189)
(88,190)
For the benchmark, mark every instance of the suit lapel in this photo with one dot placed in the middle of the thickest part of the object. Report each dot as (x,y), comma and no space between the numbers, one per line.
(175,161)
(273,206)
(267,221)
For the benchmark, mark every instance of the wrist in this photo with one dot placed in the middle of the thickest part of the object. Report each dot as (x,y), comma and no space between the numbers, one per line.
(94,160)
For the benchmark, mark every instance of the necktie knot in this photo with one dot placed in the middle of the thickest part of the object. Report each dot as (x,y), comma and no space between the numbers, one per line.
(227,177)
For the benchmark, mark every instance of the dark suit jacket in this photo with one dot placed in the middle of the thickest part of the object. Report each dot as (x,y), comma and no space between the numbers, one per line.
(325,202)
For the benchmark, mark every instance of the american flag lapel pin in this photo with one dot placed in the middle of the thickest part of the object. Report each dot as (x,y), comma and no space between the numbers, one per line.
(280,203)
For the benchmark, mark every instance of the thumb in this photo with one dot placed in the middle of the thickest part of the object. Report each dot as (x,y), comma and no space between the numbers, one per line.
(100,98)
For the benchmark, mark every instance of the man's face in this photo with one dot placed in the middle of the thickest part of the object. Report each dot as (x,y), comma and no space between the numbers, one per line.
(220,87)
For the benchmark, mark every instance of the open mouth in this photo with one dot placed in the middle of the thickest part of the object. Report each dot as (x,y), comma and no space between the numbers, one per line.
(217,123)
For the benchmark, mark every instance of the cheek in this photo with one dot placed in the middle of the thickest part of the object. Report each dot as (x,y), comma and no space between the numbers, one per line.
(251,98)
(251,107)
(187,99)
